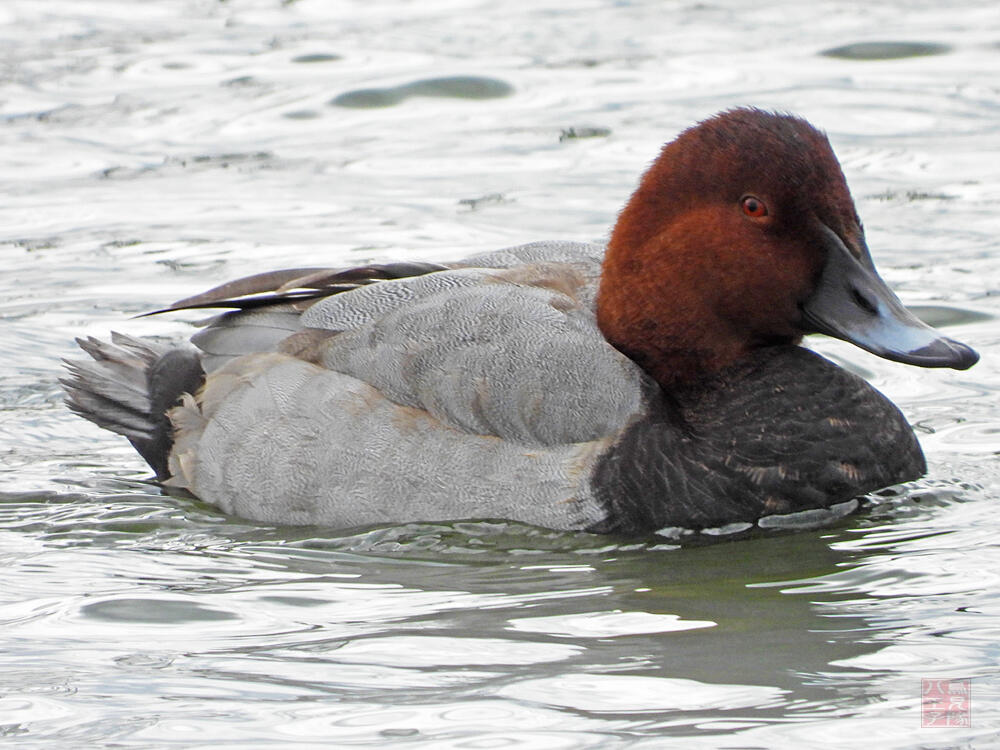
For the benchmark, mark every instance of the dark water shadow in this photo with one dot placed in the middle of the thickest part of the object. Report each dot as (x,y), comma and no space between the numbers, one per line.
(942,316)
(886,50)
(457,87)
(317,57)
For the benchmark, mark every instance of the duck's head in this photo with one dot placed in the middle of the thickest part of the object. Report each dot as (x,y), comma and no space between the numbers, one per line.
(743,234)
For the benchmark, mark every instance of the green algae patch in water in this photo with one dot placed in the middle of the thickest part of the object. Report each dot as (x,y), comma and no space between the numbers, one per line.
(457,87)
(886,50)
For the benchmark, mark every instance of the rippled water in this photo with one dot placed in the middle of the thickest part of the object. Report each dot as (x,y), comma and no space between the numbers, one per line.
(151,149)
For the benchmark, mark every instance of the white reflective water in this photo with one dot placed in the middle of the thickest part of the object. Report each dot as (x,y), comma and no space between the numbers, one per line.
(152,149)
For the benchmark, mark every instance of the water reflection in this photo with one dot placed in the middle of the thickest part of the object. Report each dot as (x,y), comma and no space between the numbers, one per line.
(442,613)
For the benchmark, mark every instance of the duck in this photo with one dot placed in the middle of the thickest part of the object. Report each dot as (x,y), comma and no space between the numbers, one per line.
(656,382)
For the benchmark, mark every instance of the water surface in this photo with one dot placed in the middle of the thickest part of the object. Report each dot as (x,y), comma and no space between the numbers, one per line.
(153,149)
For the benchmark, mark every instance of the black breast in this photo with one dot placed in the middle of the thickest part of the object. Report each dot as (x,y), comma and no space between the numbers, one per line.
(781,432)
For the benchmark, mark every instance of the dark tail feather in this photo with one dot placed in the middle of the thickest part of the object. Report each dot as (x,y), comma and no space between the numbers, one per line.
(129,387)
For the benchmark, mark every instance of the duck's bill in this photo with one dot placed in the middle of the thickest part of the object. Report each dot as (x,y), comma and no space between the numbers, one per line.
(851,302)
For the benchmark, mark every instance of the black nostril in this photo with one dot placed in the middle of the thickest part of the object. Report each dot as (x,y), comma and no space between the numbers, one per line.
(863,302)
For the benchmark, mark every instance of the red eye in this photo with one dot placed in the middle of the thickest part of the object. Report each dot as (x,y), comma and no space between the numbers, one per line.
(753,206)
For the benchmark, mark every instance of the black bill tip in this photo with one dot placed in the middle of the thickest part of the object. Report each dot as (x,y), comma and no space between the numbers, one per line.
(945,352)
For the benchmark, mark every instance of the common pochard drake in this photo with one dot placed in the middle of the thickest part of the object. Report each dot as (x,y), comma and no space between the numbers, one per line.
(655,383)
